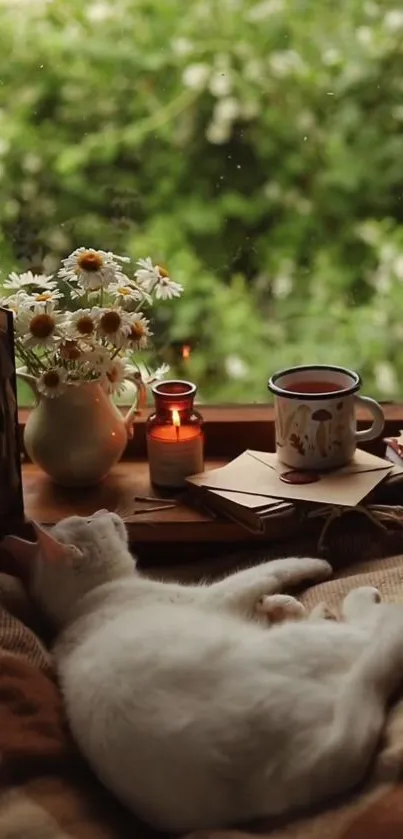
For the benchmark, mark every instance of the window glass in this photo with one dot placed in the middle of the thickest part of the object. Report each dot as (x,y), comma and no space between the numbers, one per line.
(254,147)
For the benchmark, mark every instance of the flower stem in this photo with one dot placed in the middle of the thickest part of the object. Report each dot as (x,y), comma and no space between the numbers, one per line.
(33,363)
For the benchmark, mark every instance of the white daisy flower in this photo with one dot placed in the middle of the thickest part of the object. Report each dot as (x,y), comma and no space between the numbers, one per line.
(146,274)
(39,328)
(77,293)
(146,375)
(91,360)
(166,288)
(16,302)
(93,269)
(47,296)
(139,332)
(52,383)
(82,324)
(71,351)
(125,293)
(114,325)
(17,282)
(155,278)
(158,374)
(114,375)
(98,358)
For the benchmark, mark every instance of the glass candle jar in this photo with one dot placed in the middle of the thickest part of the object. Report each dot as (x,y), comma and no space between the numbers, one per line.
(174,435)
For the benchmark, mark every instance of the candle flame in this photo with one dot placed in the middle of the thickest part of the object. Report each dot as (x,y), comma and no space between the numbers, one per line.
(186,350)
(176,420)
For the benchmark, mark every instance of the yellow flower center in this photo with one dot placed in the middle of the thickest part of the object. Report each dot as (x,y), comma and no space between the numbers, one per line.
(51,378)
(85,325)
(42,326)
(43,297)
(124,290)
(162,271)
(90,261)
(137,331)
(110,322)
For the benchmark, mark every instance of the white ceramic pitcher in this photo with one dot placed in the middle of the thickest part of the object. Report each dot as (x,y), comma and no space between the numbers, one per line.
(78,436)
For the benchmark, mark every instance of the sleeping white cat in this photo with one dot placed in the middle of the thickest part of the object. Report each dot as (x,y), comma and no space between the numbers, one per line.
(186,706)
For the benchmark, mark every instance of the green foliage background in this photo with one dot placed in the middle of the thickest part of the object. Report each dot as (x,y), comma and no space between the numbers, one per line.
(253,146)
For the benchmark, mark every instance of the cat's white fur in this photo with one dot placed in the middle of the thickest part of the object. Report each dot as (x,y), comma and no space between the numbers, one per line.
(192,712)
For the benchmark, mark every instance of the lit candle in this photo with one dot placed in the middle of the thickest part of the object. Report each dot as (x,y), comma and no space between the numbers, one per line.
(174,435)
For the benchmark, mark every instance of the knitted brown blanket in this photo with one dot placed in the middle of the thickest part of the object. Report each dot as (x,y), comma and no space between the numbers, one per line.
(47,792)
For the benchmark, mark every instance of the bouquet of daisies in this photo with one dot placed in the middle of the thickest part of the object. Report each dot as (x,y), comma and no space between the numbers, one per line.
(89,323)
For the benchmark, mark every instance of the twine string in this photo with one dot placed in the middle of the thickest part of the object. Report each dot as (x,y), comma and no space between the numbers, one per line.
(381,515)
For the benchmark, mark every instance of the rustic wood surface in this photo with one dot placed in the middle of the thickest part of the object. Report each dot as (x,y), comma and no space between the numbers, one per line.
(158,536)
(47,503)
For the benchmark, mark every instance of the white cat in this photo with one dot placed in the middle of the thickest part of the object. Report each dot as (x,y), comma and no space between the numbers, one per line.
(187,708)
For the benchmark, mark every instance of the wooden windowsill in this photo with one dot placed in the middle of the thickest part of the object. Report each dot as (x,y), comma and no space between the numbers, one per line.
(229,430)
(164,535)
(47,503)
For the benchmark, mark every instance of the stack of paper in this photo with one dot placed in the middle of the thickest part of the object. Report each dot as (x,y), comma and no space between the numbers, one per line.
(250,488)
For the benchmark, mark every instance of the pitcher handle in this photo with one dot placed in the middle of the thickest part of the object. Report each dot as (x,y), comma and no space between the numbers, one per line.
(378,424)
(138,404)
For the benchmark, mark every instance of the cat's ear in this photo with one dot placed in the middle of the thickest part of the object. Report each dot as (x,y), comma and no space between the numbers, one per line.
(19,556)
(51,550)
(23,551)
(19,548)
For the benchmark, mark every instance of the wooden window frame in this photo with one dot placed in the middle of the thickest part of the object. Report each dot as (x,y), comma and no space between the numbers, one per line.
(230,429)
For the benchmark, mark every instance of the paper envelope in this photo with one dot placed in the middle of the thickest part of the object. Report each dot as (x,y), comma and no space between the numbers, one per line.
(258,473)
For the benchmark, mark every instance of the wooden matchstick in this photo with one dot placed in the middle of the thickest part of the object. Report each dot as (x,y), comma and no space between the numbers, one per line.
(155,500)
(153,509)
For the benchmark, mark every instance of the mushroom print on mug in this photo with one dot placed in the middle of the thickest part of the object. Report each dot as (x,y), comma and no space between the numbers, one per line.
(321,418)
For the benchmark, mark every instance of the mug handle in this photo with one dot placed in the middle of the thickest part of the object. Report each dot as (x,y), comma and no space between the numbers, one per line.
(374,430)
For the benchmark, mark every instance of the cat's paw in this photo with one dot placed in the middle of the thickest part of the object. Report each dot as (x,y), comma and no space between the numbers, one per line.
(320,569)
(322,612)
(303,569)
(359,602)
(277,608)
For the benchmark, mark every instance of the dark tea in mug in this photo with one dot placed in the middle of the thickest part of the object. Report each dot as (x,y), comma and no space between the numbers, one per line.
(312,387)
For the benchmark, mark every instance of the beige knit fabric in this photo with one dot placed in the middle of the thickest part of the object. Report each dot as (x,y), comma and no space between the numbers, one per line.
(384,574)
